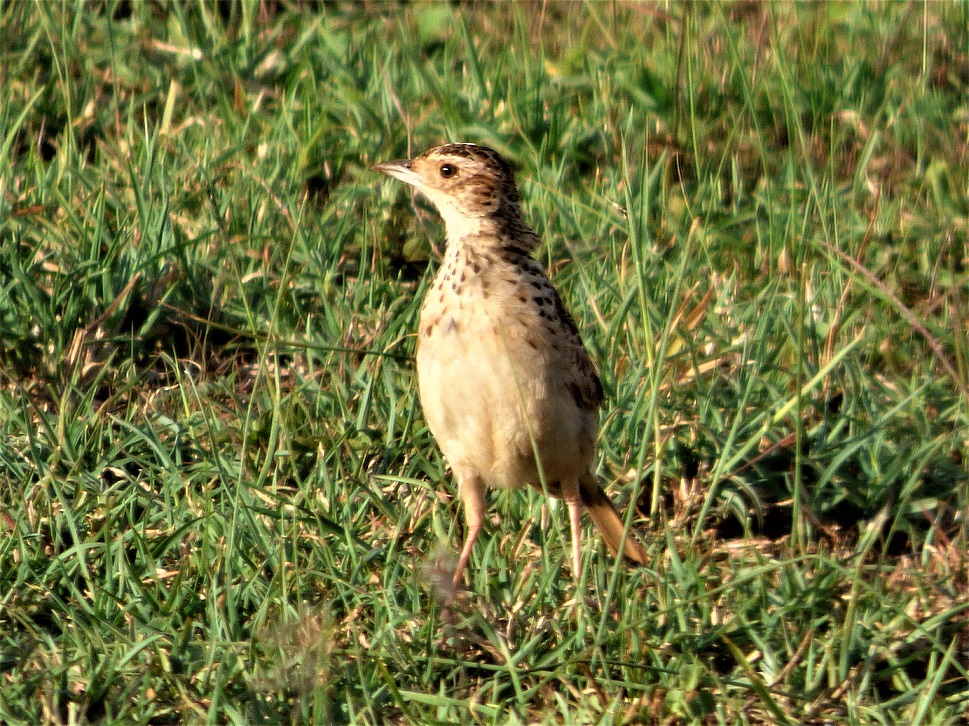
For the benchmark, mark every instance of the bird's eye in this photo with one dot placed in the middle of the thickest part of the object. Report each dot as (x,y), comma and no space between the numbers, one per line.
(448,170)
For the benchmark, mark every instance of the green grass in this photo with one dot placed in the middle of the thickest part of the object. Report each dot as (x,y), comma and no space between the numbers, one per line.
(219,499)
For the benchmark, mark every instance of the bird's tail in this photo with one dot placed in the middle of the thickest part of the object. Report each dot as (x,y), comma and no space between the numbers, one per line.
(607,520)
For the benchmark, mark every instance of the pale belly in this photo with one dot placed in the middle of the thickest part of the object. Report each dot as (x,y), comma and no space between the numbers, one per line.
(498,405)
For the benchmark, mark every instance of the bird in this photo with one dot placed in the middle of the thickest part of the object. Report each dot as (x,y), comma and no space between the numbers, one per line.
(507,387)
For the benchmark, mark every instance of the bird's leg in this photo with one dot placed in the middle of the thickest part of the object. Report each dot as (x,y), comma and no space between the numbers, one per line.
(570,493)
(471,490)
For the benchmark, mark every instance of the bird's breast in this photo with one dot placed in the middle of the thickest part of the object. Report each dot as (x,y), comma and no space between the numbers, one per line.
(490,380)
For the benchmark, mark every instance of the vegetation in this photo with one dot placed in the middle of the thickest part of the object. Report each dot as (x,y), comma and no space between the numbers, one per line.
(219,499)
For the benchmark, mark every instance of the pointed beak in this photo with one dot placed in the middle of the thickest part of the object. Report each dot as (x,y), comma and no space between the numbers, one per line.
(401,169)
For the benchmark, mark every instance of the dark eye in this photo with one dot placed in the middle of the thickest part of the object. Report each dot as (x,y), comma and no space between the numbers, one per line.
(448,170)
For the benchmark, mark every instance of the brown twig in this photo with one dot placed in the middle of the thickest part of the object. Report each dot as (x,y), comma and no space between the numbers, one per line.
(904,310)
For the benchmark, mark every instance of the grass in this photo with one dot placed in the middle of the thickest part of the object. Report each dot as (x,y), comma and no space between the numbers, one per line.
(219,497)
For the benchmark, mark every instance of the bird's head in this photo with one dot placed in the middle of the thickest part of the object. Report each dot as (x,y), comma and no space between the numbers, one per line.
(466,183)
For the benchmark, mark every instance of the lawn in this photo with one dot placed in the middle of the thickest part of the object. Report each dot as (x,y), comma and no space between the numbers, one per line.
(220,501)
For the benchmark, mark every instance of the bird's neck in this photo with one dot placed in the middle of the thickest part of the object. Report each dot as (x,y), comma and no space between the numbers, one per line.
(498,233)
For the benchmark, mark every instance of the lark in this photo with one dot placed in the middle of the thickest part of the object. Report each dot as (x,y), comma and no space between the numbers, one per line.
(508,389)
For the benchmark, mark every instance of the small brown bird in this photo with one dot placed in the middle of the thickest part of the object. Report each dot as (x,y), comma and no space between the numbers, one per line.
(508,389)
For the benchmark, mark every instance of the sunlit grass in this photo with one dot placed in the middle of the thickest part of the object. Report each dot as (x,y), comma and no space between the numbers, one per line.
(220,498)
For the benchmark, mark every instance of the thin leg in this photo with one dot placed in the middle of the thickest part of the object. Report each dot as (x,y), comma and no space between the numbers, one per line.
(570,493)
(471,490)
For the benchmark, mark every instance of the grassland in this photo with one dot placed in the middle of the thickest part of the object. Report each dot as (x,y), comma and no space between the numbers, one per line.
(218,497)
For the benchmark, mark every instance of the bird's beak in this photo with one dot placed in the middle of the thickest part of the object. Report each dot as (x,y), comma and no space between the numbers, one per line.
(401,169)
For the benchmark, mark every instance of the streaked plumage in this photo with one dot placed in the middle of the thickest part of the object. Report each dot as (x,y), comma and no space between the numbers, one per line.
(508,389)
